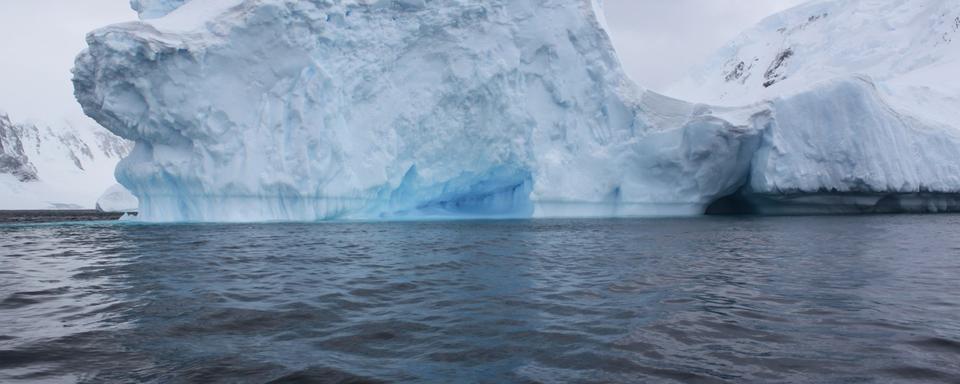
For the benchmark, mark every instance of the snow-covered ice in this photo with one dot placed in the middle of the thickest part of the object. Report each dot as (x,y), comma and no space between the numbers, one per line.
(247,110)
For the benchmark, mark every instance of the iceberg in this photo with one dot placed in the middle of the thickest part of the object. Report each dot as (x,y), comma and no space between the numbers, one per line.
(117,199)
(313,110)
(258,110)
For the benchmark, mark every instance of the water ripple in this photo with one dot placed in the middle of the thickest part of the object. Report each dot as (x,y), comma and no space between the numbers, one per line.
(712,300)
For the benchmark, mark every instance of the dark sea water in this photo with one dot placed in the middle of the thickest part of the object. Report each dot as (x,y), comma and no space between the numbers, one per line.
(859,299)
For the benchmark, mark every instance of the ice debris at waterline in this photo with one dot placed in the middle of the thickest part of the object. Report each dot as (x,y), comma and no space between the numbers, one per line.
(311,110)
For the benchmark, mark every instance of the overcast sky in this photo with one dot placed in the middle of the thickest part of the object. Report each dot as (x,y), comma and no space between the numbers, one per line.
(658,41)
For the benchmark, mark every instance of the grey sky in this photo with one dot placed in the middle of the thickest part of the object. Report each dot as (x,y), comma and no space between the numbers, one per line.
(39,40)
(658,41)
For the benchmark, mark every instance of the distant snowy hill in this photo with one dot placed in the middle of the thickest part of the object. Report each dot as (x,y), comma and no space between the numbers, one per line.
(901,42)
(67,166)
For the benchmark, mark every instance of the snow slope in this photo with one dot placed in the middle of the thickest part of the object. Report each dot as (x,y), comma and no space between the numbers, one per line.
(915,41)
(68,166)
(246,110)
(910,49)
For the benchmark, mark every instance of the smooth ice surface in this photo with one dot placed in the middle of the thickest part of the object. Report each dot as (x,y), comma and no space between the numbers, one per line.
(310,110)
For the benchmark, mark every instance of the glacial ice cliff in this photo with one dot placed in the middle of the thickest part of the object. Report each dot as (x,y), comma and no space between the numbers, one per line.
(865,99)
(151,9)
(246,110)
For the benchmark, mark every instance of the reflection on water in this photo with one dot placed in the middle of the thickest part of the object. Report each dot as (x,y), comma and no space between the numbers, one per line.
(824,299)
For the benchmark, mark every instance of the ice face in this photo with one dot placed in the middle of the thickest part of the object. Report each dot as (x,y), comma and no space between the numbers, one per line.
(842,136)
(311,110)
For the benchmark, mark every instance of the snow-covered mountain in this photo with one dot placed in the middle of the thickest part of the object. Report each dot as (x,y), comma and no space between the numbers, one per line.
(13,155)
(304,110)
(901,42)
(68,166)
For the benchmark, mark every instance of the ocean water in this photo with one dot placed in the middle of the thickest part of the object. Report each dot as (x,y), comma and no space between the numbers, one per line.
(854,299)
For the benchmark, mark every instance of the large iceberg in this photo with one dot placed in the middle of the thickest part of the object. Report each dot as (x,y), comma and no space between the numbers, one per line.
(307,110)
(246,110)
